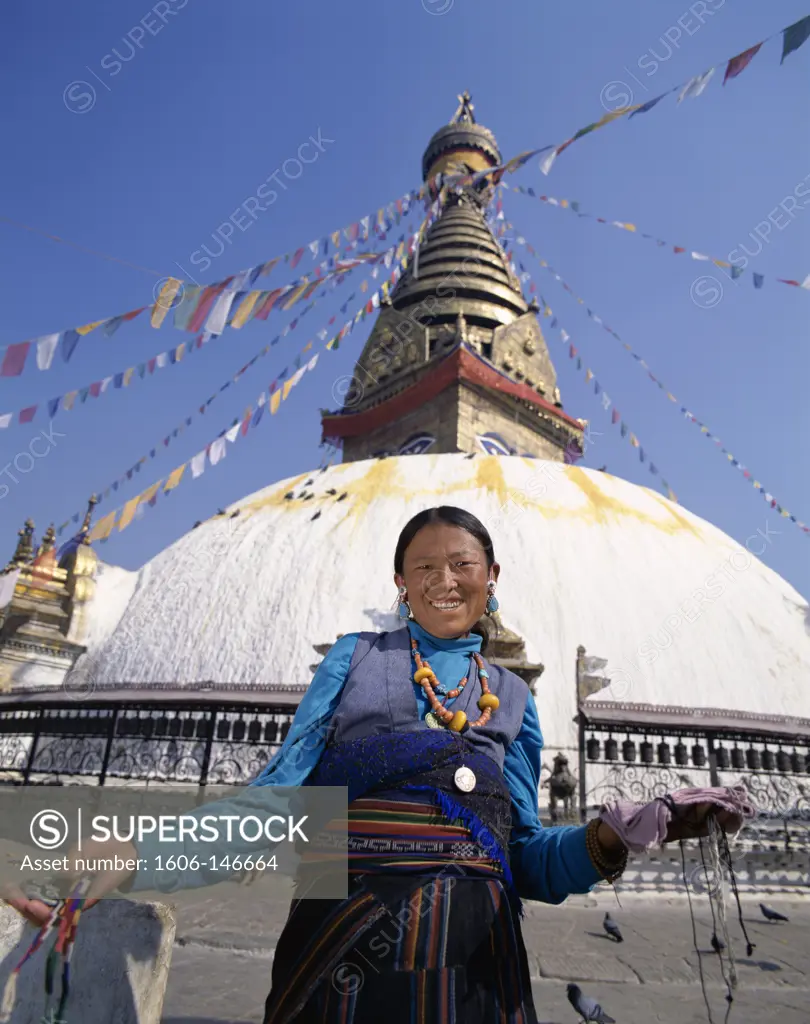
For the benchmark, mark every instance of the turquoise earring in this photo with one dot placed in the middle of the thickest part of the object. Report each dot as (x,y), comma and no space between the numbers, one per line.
(492,600)
(404,610)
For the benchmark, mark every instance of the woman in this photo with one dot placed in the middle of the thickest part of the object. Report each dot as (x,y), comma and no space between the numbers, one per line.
(441,755)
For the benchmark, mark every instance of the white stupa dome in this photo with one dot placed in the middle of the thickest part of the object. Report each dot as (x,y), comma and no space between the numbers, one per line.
(684,615)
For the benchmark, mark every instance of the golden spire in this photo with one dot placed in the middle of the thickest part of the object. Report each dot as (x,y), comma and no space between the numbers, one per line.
(465,110)
(48,542)
(25,546)
(84,532)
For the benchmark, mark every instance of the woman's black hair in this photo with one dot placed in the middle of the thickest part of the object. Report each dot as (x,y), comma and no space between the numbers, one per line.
(443,514)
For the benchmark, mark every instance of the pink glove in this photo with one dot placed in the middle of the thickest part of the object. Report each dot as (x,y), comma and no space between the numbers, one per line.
(641,826)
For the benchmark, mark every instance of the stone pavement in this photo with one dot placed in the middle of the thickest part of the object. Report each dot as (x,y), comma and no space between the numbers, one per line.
(220,972)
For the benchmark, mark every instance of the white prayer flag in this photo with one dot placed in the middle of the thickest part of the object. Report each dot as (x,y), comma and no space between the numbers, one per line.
(5,420)
(198,465)
(217,318)
(230,435)
(217,450)
(695,86)
(7,584)
(46,346)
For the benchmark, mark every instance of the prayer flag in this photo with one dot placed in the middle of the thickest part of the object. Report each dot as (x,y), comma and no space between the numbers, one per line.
(740,62)
(175,477)
(46,347)
(275,402)
(165,300)
(218,317)
(794,36)
(128,513)
(296,259)
(89,327)
(759,280)
(14,359)
(26,415)
(695,86)
(198,465)
(103,528)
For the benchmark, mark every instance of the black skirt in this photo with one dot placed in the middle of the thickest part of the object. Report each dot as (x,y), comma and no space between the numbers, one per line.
(429,949)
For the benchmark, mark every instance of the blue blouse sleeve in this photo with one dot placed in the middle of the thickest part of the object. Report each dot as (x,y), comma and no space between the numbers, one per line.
(292,764)
(548,864)
(306,740)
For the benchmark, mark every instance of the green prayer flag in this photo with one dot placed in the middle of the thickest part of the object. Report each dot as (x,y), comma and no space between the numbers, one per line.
(794,36)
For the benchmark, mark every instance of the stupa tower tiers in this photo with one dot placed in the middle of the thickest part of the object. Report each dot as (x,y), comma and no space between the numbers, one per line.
(456,361)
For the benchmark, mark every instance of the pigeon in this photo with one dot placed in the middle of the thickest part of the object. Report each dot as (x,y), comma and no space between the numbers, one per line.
(587,1008)
(717,944)
(235,514)
(332,491)
(317,515)
(289,496)
(307,484)
(198,523)
(772,915)
(308,497)
(344,495)
(303,493)
(470,456)
(612,928)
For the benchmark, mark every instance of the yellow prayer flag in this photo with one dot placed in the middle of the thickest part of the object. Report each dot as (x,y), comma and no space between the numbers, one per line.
(90,327)
(68,400)
(364,286)
(245,309)
(757,484)
(306,347)
(629,227)
(634,440)
(384,289)
(332,343)
(785,513)
(150,492)
(275,402)
(103,528)
(181,348)
(336,239)
(588,375)
(286,389)
(164,301)
(721,263)
(128,513)
(563,202)
(175,477)
(295,295)
(128,376)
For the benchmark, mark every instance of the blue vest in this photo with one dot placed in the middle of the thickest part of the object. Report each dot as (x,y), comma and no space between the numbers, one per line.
(378,697)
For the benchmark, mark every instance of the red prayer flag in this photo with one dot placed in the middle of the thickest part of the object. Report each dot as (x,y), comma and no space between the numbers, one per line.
(263,311)
(245,425)
(614,418)
(14,359)
(677,248)
(740,62)
(95,388)
(26,415)
(296,258)
(152,364)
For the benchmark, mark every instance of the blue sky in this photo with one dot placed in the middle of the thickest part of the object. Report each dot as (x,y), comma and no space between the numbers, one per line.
(206,109)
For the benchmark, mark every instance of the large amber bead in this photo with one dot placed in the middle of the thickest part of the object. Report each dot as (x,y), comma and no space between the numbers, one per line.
(457,722)
(488,700)
(422,673)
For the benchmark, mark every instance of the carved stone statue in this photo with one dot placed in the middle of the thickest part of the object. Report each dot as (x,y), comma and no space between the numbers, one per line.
(561,787)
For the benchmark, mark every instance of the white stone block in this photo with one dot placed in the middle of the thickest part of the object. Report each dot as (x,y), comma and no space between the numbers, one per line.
(119,970)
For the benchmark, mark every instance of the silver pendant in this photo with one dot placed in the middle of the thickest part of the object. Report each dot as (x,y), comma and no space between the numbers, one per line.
(465,779)
(432,721)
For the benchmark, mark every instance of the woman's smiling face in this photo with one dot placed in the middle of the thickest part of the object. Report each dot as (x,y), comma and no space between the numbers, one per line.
(445,572)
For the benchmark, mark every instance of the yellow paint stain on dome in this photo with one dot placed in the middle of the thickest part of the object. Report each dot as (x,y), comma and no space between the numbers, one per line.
(276,497)
(489,477)
(672,509)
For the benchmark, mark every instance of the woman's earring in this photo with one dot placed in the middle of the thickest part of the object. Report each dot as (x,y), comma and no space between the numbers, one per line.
(492,600)
(404,607)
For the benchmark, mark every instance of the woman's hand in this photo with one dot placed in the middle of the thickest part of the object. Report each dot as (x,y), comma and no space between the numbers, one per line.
(37,913)
(692,822)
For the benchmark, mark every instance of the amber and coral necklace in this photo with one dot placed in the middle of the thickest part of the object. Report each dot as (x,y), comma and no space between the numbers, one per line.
(440,715)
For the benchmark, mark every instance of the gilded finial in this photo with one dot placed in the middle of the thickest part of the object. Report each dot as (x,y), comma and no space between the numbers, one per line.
(24,552)
(48,542)
(85,530)
(465,110)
